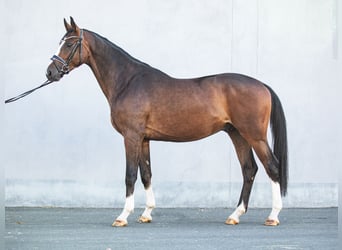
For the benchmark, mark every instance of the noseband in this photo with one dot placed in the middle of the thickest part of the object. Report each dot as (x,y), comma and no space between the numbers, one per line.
(64,69)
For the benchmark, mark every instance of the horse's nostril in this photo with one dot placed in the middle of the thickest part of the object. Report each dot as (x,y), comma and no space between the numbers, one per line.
(48,74)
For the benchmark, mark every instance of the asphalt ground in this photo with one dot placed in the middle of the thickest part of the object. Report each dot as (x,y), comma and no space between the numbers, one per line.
(171,228)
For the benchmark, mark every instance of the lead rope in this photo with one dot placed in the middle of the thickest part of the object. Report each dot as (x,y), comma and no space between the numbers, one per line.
(13,99)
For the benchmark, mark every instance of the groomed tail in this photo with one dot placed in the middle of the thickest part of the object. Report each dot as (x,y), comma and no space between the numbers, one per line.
(278,127)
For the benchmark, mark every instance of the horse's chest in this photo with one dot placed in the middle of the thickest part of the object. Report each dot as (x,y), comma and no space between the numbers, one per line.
(125,120)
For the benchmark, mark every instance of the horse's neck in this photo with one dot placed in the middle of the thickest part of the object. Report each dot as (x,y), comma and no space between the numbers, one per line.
(110,65)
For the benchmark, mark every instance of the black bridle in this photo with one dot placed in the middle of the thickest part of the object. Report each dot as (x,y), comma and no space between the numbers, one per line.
(64,69)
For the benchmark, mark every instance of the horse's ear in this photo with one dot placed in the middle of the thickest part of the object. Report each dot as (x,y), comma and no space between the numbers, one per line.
(73,24)
(67,26)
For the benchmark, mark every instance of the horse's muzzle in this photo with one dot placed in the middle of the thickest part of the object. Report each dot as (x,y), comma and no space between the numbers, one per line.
(53,74)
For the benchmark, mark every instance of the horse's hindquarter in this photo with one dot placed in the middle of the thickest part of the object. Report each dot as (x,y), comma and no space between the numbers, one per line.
(249,104)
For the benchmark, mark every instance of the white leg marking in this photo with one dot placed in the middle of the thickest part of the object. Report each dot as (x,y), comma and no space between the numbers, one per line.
(240,210)
(277,203)
(128,209)
(150,203)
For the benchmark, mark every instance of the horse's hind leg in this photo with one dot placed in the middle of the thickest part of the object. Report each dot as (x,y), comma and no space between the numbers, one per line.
(270,163)
(146,175)
(249,169)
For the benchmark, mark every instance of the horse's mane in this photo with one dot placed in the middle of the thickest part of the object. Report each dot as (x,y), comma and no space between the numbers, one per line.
(117,48)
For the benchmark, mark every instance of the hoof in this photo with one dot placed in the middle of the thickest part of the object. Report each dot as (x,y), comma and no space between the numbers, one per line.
(270,222)
(231,221)
(119,223)
(144,219)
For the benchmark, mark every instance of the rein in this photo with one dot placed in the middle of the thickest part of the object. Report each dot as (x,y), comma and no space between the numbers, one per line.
(55,58)
(13,99)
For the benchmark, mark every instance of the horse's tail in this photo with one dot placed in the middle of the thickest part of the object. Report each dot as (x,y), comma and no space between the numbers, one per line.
(278,127)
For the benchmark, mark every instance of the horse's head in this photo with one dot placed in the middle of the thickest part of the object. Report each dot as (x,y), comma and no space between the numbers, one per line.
(70,54)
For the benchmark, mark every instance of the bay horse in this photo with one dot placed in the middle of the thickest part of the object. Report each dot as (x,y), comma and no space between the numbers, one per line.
(147,104)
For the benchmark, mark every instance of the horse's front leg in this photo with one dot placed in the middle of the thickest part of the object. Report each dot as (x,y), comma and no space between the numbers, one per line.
(146,175)
(133,153)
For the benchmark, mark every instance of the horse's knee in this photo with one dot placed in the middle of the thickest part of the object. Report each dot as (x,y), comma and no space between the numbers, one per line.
(145,174)
(146,180)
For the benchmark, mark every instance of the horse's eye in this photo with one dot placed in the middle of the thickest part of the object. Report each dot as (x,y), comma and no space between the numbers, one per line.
(69,45)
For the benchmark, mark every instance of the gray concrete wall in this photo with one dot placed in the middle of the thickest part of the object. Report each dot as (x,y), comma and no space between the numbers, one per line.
(61,149)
